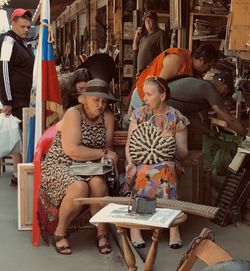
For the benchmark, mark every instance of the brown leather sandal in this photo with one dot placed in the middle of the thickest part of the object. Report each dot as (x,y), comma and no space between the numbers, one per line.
(61,250)
(107,245)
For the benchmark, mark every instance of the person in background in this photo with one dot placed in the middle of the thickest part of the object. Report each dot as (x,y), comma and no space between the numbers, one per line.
(163,175)
(72,84)
(173,62)
(16,70)
(194,97)
(84,134)
(149,41)
(191,95)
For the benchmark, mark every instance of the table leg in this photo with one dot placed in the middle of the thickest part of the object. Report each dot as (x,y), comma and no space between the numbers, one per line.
(128,253)
(151,256)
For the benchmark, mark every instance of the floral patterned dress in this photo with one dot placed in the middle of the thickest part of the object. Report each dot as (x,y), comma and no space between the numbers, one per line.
(159,179)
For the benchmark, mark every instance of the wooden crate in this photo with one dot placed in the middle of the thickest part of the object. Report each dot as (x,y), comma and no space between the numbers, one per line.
(190,186)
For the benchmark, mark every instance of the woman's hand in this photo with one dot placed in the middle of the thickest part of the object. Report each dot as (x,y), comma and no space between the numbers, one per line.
(166,133)
(112,155)
(130,172)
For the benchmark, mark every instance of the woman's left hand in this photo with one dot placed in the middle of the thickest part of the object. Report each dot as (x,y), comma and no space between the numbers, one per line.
(130,172)
(166,133)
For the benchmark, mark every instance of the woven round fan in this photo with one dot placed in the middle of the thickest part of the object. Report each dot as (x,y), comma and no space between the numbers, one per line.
(147,146)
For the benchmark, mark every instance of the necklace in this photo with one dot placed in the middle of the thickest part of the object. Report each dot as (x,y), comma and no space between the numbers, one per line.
(88,117)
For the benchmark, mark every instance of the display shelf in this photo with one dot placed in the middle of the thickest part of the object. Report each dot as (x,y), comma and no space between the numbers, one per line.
(208,14)
(211,26)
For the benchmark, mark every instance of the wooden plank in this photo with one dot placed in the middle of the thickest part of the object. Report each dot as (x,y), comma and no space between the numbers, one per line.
(73,9)
(118,28)
(25,195)
(81,5)
(25,132)
(67,14)
(110,25)
(245,55)
(120,138)
(93,30)
(210,253)
(239,24)
(191,25)
(218,122)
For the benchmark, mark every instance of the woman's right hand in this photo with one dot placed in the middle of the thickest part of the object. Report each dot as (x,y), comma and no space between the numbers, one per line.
(112,155)
(130,172)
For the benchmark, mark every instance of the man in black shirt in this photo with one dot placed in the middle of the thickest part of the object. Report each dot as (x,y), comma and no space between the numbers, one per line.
(16,70)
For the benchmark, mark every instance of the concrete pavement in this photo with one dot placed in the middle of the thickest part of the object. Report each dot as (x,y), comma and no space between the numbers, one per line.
(17,252)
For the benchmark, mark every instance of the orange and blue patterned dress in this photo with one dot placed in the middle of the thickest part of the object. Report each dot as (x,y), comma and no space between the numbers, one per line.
(159,179)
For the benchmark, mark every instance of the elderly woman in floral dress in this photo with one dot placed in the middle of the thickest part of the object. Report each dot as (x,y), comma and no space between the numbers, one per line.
(158,179)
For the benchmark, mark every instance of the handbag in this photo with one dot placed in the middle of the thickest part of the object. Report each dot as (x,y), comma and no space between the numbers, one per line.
(92,168)
(147,146)
(143,205)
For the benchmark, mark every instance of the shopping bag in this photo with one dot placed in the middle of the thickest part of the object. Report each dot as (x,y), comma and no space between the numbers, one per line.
(11,141)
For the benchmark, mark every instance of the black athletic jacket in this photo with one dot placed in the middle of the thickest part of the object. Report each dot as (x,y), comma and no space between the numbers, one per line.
(16,70)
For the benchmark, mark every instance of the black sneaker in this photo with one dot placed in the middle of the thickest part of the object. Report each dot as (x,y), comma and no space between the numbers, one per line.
(13,181)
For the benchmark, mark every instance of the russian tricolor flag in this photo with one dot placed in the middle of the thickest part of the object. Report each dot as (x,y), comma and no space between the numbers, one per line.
(45,102)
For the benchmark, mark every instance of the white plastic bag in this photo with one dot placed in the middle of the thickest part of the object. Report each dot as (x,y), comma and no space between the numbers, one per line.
(10,135)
